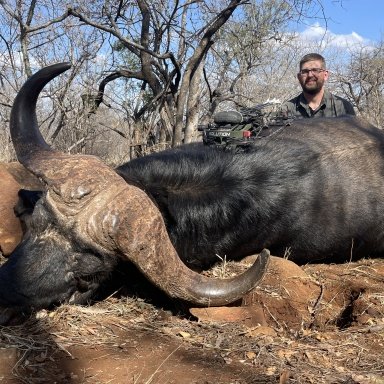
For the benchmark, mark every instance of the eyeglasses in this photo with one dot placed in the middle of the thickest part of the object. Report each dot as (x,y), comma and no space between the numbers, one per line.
(315,71)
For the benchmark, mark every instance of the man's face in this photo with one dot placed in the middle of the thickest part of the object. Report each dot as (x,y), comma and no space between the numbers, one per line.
(312,77)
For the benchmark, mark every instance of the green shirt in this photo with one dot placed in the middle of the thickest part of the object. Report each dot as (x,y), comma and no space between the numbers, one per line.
(330,106)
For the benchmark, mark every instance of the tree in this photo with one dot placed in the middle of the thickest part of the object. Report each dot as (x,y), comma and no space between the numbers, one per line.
(362,81)
(170,57)
(251,51)
(139,66)
(35,34)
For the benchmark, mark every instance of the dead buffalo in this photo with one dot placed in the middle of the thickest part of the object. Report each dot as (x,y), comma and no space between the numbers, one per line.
(312,191)
(87,220)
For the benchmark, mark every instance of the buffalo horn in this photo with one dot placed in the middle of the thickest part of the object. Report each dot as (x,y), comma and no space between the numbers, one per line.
(108,214)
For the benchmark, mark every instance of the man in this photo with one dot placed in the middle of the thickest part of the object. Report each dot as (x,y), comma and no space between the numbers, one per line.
(315,100)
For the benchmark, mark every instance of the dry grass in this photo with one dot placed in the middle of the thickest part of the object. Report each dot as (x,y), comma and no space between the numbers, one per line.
(292,354)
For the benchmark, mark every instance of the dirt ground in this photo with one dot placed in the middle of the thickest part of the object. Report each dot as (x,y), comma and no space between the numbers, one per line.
(311,324)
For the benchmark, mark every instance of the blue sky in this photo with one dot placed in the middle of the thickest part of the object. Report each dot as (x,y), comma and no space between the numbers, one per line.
(364,18)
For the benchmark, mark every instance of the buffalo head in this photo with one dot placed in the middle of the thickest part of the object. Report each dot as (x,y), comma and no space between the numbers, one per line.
(86,220)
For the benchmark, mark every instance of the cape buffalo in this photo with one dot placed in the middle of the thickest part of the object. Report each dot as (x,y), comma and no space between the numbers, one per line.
(88,219)
(313,191)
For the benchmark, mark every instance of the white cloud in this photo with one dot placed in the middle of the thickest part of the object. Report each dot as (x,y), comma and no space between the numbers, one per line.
(317,33)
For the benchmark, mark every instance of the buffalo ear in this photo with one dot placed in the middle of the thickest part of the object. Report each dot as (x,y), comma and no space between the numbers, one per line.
(25,206)
(27,201)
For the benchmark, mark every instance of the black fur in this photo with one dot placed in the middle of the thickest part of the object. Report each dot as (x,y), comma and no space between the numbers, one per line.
(300,193)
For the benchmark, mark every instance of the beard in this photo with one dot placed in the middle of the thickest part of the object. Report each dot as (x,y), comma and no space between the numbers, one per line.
(314,87)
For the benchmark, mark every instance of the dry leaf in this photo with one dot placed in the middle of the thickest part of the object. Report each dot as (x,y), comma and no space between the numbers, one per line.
(183,334)
(285,353)
(261,331)
(271,371)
